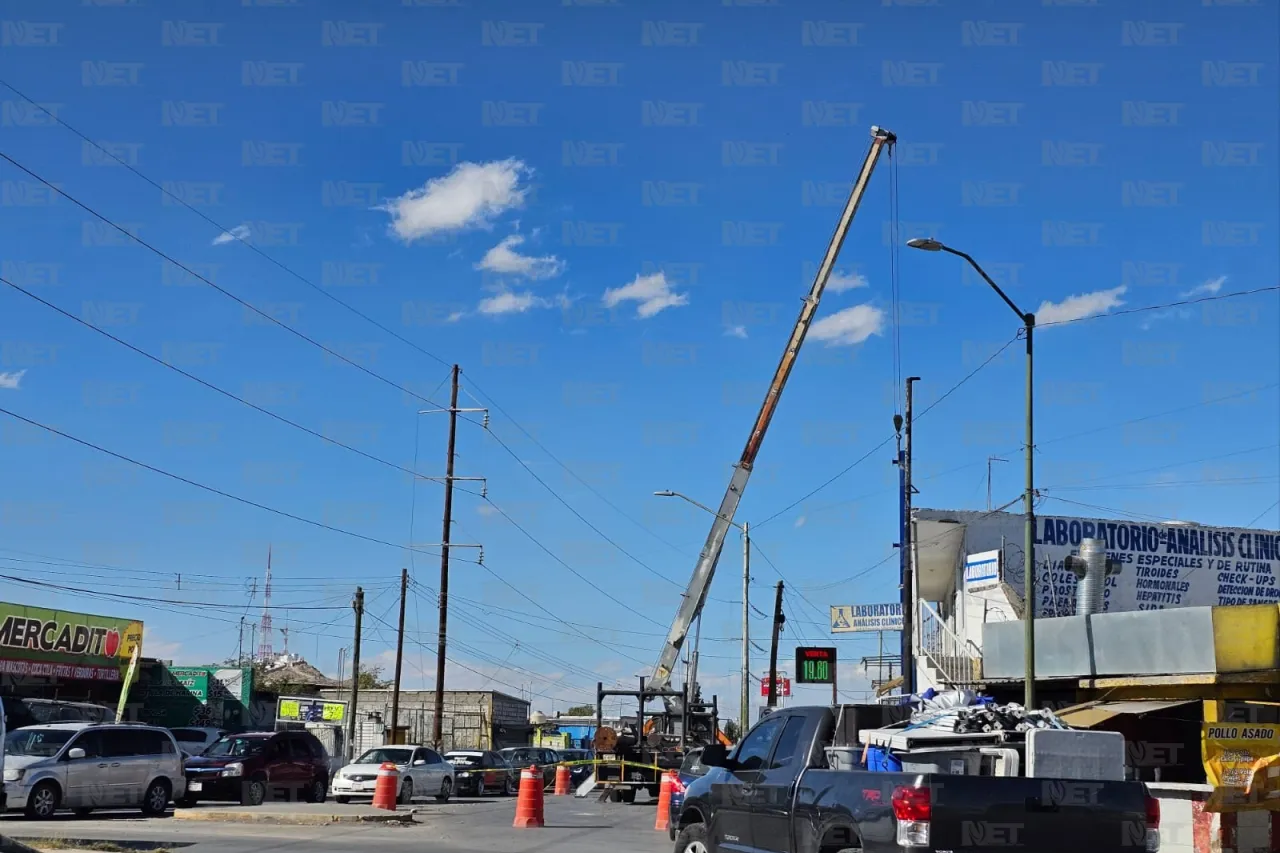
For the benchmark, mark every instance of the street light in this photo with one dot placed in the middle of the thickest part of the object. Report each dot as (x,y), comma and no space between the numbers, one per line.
(928,244)
(744,716)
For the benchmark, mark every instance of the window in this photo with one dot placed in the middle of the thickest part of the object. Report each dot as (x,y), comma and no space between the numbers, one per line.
(754,749)
(91,743)
(122,743)
(278,750)
(431,756)
(302,748)
(788,744)
(189,735)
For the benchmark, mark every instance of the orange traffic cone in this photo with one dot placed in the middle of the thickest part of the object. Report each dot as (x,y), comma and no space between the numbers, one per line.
(529,804)
(562,780)
(385,794)
(664,802)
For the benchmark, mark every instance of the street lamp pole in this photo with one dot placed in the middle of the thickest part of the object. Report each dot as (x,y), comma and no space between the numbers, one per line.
(1028,499)
(744,715)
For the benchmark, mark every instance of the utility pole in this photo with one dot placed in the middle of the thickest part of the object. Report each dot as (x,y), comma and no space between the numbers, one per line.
(778,619)
(744,722)
(358,606)
(240,645)
(438,723)
(908,575)
(395,691)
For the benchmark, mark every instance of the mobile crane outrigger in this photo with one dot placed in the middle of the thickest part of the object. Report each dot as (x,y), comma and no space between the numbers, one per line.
(635,756)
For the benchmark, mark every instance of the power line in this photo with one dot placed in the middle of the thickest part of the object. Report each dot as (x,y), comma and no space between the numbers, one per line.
(223,229)
(243,303)
(887,440)
(209,385)
(1259,516)
(1163,306)
(211,489)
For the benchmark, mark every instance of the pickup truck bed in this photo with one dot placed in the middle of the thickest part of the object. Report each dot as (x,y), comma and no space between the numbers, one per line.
(776,795)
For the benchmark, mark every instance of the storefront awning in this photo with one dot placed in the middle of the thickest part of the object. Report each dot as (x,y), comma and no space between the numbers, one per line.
(1090,714)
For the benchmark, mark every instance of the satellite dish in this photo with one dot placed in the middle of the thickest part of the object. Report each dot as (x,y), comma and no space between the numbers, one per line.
(537,718)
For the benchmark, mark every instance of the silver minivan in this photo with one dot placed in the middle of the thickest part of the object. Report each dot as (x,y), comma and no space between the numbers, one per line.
(87,766)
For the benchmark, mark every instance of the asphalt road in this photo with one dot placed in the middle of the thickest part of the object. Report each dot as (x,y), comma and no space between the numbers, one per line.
(573,826)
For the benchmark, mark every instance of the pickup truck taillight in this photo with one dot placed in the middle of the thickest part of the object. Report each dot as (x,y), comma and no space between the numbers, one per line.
(912,809)
(678,787)
(1153,824)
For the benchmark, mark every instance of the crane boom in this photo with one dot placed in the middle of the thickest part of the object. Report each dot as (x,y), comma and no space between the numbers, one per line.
(695,594)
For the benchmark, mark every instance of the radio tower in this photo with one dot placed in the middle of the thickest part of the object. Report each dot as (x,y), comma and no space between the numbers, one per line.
(265,654)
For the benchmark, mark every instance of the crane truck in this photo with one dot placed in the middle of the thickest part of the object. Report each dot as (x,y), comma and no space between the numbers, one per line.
(642,749)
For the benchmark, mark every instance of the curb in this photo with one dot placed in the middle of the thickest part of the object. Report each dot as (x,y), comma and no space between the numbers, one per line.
(9,845)
(299,819)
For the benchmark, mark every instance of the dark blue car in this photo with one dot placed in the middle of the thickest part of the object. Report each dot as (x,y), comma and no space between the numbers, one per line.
(691,769)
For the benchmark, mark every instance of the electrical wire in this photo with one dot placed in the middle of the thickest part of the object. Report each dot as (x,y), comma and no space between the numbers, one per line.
(1181,302)
(886,441)
(211,489)
(222,290)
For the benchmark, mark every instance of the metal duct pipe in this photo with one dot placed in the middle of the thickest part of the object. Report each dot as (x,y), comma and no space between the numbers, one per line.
(1091,569)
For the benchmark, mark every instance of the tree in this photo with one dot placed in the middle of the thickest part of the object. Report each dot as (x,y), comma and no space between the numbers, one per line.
(731,730)
(581,711)
(371,679)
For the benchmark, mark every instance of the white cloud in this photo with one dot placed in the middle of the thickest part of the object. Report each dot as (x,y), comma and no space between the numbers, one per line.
(850,326)
(839,281)
(455,316)
(157,647)
(651,293)
(509,302)
(470,196)
(1079,306)
(736,332)
(1209,288)
(240,232)
(10,379)
(800,521)
(505,260)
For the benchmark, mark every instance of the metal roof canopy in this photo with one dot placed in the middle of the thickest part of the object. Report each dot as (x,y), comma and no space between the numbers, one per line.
(1090,714)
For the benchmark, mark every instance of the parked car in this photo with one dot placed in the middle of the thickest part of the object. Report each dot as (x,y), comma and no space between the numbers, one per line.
(522,757)
(479,772)
(579,771)
(422,773)
(194,740)
(20,712)
(87,766)
(250,768)
(775,793)
(690,769)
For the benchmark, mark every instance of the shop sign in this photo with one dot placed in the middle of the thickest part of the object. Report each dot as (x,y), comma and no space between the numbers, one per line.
(1230,752)
(308,710)
(61,644)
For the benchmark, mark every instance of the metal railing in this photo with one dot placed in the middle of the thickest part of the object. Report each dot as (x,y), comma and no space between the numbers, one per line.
(957,661)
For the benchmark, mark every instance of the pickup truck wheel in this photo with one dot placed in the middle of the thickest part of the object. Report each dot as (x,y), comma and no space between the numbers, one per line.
(693,839)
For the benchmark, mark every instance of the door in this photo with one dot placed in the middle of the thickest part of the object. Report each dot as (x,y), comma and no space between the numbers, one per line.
(439,769)
(421,772)
(549,762)
(130,753)
(495,771)
(771,800)
(732,798)
(283,778)
(88,779)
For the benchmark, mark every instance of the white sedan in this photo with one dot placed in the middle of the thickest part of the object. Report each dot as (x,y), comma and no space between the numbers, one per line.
(423,773)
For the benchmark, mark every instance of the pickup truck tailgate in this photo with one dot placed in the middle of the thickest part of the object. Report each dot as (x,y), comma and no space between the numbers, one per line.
(1036,815)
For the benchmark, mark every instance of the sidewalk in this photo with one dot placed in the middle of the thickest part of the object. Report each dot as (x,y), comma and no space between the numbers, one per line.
(295,814)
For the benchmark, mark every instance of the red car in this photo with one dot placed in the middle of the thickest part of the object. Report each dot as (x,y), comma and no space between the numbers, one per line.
(259,766)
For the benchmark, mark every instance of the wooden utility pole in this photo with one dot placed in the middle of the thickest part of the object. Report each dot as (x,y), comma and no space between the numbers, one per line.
(437,735)
(358,606)
(395,690)
(778,619)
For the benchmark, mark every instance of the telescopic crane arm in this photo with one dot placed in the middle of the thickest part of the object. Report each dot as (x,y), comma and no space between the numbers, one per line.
(696,593)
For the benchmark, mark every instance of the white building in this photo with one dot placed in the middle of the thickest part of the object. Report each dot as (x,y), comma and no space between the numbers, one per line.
(1169,565)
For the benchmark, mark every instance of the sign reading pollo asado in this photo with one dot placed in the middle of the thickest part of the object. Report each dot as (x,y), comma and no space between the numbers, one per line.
(56,643)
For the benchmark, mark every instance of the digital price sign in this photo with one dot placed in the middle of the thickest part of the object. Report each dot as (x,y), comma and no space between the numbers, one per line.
(815,665)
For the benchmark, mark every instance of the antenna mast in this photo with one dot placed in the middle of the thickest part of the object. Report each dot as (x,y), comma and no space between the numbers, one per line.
(265,653)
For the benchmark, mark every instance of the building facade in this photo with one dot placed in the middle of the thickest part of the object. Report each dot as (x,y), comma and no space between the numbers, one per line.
(472,719)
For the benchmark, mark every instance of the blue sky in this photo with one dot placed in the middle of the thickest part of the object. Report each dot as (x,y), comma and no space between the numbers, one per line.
(693,154)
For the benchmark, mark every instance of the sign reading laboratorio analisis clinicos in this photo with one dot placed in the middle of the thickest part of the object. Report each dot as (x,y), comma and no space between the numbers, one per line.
(848,618)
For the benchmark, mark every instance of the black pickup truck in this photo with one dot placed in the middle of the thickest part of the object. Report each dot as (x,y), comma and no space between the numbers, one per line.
(774,793)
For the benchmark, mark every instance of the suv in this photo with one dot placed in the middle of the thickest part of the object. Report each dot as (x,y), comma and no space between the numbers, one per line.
(87,766)
(250,768)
